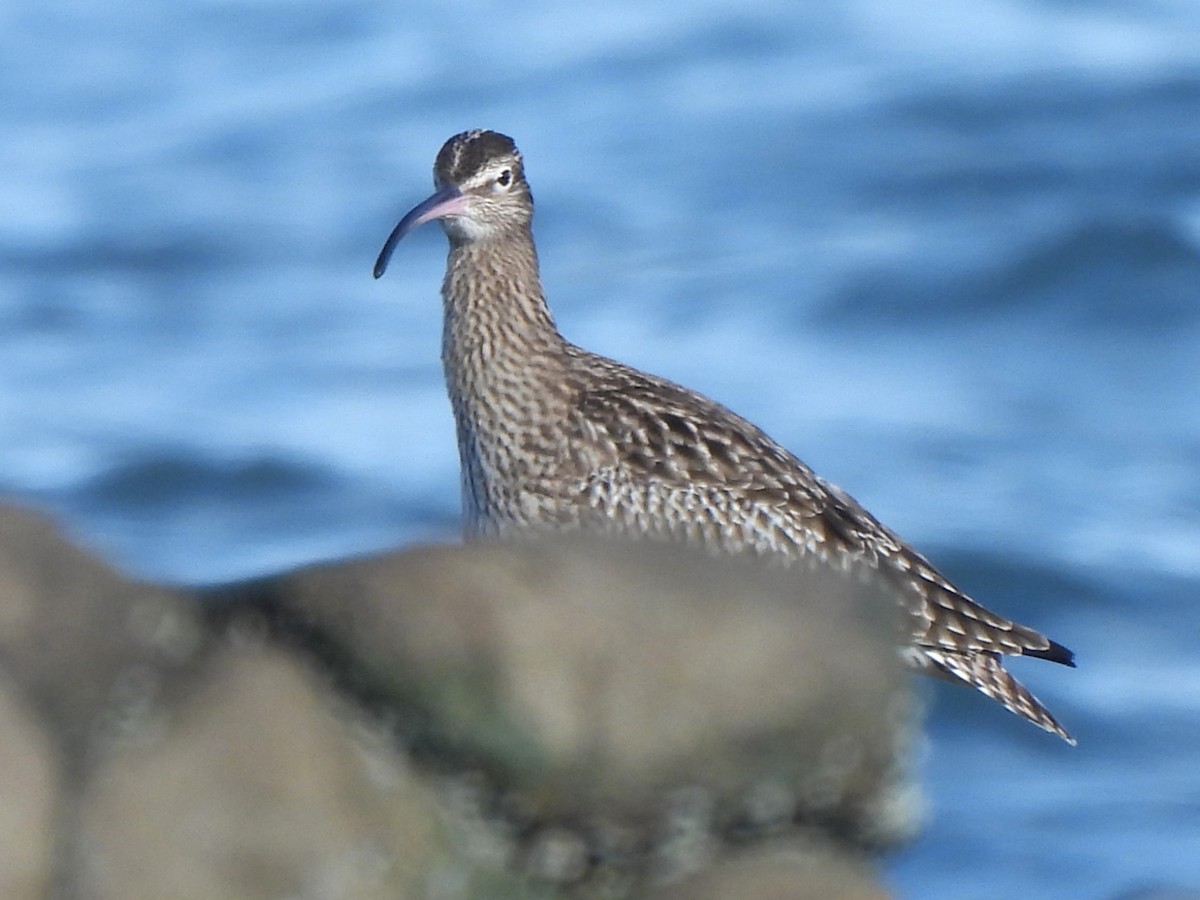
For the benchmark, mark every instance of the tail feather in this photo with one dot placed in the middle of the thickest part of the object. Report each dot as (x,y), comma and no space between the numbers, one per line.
(985,672)
(1055,652)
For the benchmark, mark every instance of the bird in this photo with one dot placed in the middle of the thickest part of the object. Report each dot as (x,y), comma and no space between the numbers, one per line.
(552,437)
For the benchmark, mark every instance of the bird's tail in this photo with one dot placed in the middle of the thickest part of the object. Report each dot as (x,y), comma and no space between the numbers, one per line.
(986,673)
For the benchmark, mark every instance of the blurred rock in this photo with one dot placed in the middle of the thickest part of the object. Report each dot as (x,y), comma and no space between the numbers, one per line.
(30,794)
(586,718)
(806,871)
(91,648)
(645,687)
(260,784)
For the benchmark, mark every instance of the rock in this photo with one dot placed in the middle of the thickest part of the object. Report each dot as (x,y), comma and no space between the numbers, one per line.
(30,797)
(92,649)
(493,720)
(806,871)
(639,686)
(261,784)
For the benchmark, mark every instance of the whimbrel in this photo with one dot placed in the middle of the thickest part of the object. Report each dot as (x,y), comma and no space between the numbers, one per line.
(551,436)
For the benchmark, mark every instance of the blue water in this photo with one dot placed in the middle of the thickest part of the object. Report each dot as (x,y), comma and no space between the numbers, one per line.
(949,253)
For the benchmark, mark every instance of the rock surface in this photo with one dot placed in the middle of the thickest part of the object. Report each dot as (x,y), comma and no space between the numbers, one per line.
(30,793)
(566,718)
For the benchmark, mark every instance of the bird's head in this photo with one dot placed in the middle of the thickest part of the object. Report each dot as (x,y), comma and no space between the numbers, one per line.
(481,193)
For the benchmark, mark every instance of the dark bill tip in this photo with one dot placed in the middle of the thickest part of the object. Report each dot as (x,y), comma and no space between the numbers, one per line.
(389,247)
(446,201)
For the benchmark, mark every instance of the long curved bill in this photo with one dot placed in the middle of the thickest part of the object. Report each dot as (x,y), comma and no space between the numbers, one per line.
(446,201)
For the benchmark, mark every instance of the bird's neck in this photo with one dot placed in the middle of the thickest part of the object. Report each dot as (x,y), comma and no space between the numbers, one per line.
(502,353)
(494,307)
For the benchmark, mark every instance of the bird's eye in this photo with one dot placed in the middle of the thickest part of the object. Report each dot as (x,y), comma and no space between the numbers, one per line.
(504,179)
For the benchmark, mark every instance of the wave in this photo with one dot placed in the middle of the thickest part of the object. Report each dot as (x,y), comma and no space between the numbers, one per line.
(1097,273)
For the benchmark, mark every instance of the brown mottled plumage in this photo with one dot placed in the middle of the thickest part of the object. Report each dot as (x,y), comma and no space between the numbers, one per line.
(552,436)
